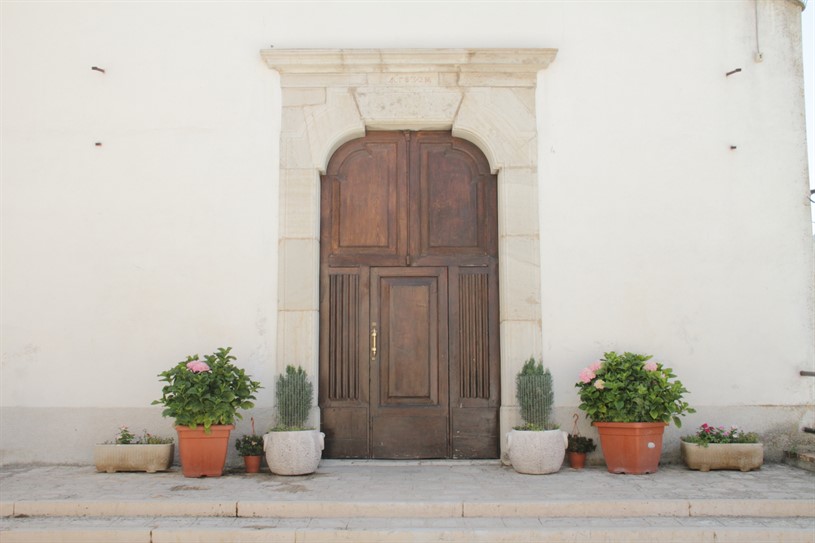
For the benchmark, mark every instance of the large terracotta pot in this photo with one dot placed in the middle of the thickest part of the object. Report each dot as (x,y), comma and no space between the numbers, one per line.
(203,454)
(631,447)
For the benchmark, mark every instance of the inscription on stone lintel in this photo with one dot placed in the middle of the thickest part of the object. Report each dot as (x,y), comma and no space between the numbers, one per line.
(403,80)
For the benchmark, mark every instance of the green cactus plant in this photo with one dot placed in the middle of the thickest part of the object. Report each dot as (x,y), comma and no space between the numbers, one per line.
(533,390)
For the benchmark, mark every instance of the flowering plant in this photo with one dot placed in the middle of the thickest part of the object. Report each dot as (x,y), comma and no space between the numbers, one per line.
(631,388)
(126,437)
(708,434)
(206,392)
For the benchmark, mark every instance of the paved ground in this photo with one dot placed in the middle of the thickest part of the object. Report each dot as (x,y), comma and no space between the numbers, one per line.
(418,482)
(409,501)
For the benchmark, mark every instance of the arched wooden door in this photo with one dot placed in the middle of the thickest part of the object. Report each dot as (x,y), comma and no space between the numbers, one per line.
(409,354)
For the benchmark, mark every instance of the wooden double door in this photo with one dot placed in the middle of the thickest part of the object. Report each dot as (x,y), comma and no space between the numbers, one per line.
(409,354)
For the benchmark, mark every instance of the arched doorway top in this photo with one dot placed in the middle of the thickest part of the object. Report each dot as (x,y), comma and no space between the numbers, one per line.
(483,95)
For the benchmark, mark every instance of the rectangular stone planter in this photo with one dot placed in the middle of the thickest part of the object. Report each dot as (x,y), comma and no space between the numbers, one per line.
(149,458)
(740,456)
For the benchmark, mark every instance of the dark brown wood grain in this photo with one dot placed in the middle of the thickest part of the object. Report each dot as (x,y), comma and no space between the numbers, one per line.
(409,245)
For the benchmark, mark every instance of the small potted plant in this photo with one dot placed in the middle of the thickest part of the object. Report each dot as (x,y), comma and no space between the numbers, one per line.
(129,452)
(537,447)
(204,398)
(250,447)
(577,449)
(291,447)
(631,399)
(714,447)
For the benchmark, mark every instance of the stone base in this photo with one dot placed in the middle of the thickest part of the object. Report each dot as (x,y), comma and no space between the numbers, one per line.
(295,452)
(149,458)
(740,456)
(803,460)
(536,453)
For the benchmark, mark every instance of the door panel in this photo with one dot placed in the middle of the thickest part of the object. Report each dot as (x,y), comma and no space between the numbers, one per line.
(453,197)
(409,376)
(409,249)
(364,203)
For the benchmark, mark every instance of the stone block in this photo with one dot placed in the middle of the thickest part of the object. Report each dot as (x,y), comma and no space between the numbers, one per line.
(299,275)
(6,509)
(295,96)
(503,122)
(518,202)
(332,124)
(298,340)
(401,107)
(300,204)
(519,263)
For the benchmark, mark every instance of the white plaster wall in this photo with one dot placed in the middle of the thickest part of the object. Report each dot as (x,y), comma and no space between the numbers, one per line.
(119,260)
(666,240)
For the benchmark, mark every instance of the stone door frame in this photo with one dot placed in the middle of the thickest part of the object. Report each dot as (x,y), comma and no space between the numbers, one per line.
(486,96)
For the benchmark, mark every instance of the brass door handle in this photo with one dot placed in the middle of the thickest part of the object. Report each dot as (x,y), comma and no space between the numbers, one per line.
(373,341)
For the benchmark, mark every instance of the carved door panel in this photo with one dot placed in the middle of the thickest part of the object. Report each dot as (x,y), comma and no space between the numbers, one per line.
(409,403)
(409,299)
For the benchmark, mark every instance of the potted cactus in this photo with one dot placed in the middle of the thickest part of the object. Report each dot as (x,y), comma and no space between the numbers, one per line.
(538,446)
(291,447)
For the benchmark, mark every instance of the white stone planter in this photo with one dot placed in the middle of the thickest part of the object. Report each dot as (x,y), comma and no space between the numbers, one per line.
(149,458)
(537,453)
(740,456)
(293,453)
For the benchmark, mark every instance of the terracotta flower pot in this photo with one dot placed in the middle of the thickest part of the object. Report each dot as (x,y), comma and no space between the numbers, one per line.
(577,460)
(631,447)
(203,454)
(252,463)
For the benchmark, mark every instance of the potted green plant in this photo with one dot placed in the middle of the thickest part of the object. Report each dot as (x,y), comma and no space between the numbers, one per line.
(537,447)
(129,452)
(577,449)
(714,447)
(293,448)
(204,398)
(250,447)
(631,399)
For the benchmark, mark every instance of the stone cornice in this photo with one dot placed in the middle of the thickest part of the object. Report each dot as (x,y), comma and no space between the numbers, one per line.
(365,61)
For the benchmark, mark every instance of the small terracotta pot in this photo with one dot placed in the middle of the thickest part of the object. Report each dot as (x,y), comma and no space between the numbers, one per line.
(203,454)
(252,464)
(577,460)
(631,447)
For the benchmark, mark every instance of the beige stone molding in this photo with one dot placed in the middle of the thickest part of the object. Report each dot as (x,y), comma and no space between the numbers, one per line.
(486,96)
(510,62)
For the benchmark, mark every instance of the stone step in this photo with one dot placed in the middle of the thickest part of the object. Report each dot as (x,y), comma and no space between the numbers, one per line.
(680,508)
(409,530)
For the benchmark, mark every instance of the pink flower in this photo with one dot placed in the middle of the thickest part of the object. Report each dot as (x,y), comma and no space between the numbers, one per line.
(650,366)
(587,375)
(596,366)
(599,384)
(197,367)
